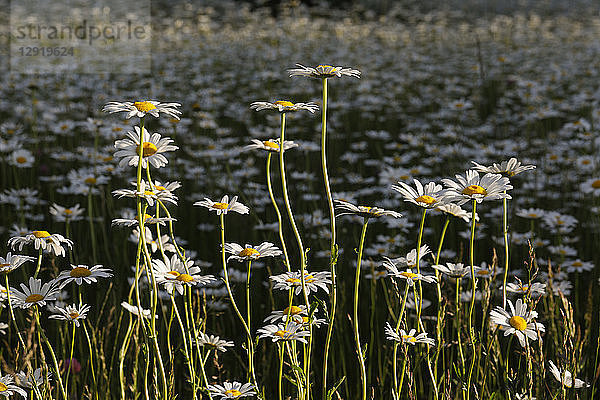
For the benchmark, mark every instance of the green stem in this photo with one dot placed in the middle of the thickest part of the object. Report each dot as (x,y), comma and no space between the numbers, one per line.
(70,360)
(276,207)
(333,247)
(49,346)
(396,344)
(473,286)
(38,265)
(361,361)
(235,307)
(505,229)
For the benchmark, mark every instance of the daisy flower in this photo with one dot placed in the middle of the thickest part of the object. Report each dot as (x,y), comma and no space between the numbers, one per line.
(565,377)
(149,193)
(8,388)
(83,274)
(270,145)
(363,211)
(283,106)
(291,331)
(71,313)
(295,313)
(35,293)
(429,196)
(21,158)
(574,265)
(472,187)
(312,280)
(323,71)
(153,145)
(172,273)
(457,211)
(232,390)
(250,252)
(63,214)
(409,276)
(142,108)
(136,310)
(148,220)
(223,206)
(458,270)
(536,289)
(42,240)
(409,338)
(12,262)
(411,258)
(531,213)
(214,342)
(517,321)
(511,167)
(33,379)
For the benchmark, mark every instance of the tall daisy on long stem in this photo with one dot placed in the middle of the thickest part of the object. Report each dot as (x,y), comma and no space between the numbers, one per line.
(367,213)
(508,168)
(324,72)
(476,189)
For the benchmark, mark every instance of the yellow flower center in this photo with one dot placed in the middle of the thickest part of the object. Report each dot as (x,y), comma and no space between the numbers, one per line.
(3,387)
(74,315)
(220,206)
(324,66)
(294,310)
(159,187)
(518,323)
(271,145)
(474,189)
(293,280)
(408,338)
(148,193)
(233,392)
(425,199)
(90,181)
(408,274)
(249,252)
(40,234)
(68,211)
(596,184)
(144,106)
(80,272)
(21,160)
(174,273)
(281,333)
(586,162)
(577,264)
(34,298)
(483,272)
(148,149)
(459,105)
(284,103)
(524,288)
(4,265)
(185,278)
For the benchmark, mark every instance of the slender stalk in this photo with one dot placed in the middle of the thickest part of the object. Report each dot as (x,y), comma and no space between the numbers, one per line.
(473,287)
(235,307)
(361,361)
(333,247)
(185,347)
(276,207)
(49,346)
(505,230)
(419,299)
(39,264)
(91,223)
(12,316)
(70,360)
(396,344)
(288,207)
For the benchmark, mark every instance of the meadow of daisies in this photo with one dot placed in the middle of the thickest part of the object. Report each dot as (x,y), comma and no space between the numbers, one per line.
(329,204)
